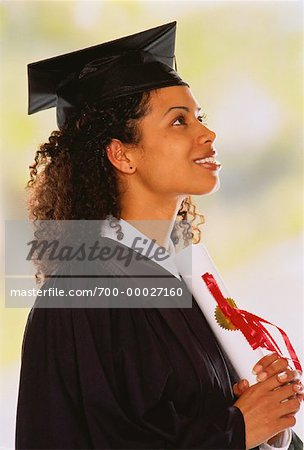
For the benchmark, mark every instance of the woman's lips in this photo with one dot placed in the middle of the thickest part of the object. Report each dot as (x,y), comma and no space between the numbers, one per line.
(209,163)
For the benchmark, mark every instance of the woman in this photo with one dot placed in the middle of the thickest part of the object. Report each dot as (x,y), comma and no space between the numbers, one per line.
(131,148)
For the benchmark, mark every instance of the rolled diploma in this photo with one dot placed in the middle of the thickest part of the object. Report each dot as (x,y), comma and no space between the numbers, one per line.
(193,262)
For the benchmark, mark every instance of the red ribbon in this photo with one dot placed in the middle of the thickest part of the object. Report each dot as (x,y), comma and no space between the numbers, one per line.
(249,324)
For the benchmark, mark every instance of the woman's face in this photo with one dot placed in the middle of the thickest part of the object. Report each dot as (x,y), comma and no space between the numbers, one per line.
(171,158)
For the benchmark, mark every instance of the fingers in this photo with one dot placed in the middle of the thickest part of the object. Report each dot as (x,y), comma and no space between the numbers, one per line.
(299,390)
(289,407)
(269,366)
(287,422)
(264,362)
(288,391)
(281,378)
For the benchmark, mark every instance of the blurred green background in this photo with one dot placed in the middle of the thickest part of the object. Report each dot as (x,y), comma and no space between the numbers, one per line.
(244,62)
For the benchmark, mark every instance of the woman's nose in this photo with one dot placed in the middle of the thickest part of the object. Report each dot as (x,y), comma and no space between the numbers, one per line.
(206,135)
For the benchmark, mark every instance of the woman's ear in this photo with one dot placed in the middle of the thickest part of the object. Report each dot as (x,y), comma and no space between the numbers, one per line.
(120,157)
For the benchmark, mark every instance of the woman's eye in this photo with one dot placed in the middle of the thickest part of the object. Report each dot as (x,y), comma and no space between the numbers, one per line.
(181,121)
(203,119)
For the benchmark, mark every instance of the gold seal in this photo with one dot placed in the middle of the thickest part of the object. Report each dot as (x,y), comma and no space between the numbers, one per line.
(222,320)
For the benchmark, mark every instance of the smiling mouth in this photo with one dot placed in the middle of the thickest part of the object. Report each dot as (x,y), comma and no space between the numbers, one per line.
(209,163)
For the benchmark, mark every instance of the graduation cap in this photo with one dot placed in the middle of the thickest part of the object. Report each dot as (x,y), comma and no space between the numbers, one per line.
(129,65)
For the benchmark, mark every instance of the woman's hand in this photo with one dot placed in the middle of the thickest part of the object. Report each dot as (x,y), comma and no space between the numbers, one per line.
(266,367)
(264,414)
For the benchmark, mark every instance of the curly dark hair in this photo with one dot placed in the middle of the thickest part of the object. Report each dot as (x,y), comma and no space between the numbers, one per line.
(72,178)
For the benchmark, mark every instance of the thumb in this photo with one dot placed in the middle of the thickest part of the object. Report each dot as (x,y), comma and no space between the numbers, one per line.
(240,387)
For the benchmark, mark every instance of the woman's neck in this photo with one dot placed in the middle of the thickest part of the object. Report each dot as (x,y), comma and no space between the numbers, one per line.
(153,219)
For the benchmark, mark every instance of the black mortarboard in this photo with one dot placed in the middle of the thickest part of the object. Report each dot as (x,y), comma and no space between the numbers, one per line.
(132,64)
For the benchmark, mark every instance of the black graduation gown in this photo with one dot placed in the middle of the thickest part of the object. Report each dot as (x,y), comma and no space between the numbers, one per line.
(130,378)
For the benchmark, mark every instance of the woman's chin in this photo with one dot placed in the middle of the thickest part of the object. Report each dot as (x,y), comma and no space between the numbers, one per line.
(216,187)
(208,189)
